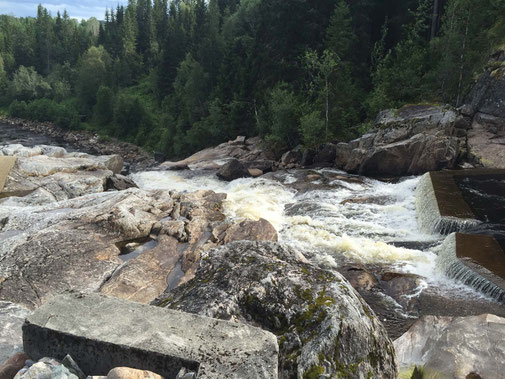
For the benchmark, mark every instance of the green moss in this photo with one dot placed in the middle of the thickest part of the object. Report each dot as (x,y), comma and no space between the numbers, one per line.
(316,311)
(165,302)
(314,373)
(249,299)
(321,357)
(282,341)
(373,359)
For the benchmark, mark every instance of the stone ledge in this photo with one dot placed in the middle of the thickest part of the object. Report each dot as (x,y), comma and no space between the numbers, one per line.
(101,333)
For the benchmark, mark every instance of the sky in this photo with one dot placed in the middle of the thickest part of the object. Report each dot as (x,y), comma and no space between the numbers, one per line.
(76,8)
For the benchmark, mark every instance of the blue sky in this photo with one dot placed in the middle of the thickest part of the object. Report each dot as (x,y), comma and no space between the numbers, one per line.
(76,9)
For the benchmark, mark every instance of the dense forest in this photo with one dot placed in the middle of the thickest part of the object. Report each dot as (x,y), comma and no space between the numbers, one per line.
(182,75)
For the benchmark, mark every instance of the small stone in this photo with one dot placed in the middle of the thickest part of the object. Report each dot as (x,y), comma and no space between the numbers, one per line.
(120,183)
(39,370)
(131,373)
(255,172)
(73,367)
(184,373)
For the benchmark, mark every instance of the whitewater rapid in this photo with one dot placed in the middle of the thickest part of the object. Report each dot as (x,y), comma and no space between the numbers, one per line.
(352,218)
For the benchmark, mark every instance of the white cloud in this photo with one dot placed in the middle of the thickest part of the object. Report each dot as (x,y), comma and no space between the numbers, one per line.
(76,9)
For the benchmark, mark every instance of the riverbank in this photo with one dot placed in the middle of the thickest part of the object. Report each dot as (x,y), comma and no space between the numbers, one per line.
(31,133)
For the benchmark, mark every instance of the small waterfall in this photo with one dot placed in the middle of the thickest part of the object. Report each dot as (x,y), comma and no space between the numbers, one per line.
(428,213)
(452,266)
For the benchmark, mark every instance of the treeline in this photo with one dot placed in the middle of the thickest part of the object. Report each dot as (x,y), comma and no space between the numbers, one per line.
(182,75)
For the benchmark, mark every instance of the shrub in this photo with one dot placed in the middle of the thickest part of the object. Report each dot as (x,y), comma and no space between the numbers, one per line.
(62,114)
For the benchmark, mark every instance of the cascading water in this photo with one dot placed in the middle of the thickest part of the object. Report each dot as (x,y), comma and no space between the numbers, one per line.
(350,217)
(428,212)
(454,268)
(343,220)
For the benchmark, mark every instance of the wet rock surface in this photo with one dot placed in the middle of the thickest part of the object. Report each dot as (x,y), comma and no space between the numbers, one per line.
(322,324)
(13,365)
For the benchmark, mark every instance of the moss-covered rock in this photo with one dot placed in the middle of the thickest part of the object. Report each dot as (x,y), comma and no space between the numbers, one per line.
(323,325)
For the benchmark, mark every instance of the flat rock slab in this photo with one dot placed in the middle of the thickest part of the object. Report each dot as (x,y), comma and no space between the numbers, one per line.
(101,333)
(6,165)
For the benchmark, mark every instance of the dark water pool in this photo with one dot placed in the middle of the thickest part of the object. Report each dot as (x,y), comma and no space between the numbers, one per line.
(485,194)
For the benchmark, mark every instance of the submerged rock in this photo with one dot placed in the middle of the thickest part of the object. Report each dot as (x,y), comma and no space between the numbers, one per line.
(323,326)
(455,347)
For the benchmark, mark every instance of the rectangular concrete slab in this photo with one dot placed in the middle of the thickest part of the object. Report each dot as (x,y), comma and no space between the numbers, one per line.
(102,332)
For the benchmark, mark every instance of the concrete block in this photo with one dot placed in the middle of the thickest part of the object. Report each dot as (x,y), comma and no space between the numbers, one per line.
(102,333)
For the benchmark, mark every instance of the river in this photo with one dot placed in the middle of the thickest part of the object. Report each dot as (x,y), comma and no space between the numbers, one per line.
(352,223)
(356,225)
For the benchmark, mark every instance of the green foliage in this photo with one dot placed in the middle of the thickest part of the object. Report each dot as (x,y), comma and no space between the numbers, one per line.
(131,117)
(91,74)
(182,75)
(312,129)
(27,84)
(400,74)
(103,111)
(62,114)
(283,108)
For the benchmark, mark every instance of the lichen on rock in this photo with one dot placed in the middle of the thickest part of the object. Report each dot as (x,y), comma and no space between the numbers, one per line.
(323,325)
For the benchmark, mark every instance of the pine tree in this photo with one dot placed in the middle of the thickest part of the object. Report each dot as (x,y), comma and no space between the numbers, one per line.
(160,21)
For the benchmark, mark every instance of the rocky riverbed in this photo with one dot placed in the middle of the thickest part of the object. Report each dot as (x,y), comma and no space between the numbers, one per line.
(335,266)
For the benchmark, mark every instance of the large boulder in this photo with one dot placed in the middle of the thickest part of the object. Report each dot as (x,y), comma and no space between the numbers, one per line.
(325,154)
(409,141)
(71,245)
(48,173)
(414,156)
(486,105)
(244,150)
(247,230)
(232,170)
(323,326)
(488,93)
(455,347)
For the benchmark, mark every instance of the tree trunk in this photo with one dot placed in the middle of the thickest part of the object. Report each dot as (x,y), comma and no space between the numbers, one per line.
(434,20)
(327,107)
(462,59)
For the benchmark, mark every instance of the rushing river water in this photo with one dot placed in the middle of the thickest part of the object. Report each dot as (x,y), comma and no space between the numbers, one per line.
(345,219)
(351,223)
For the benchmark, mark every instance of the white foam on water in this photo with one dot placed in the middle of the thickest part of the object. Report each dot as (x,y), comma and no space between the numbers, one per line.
(321,220)
(359,221)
